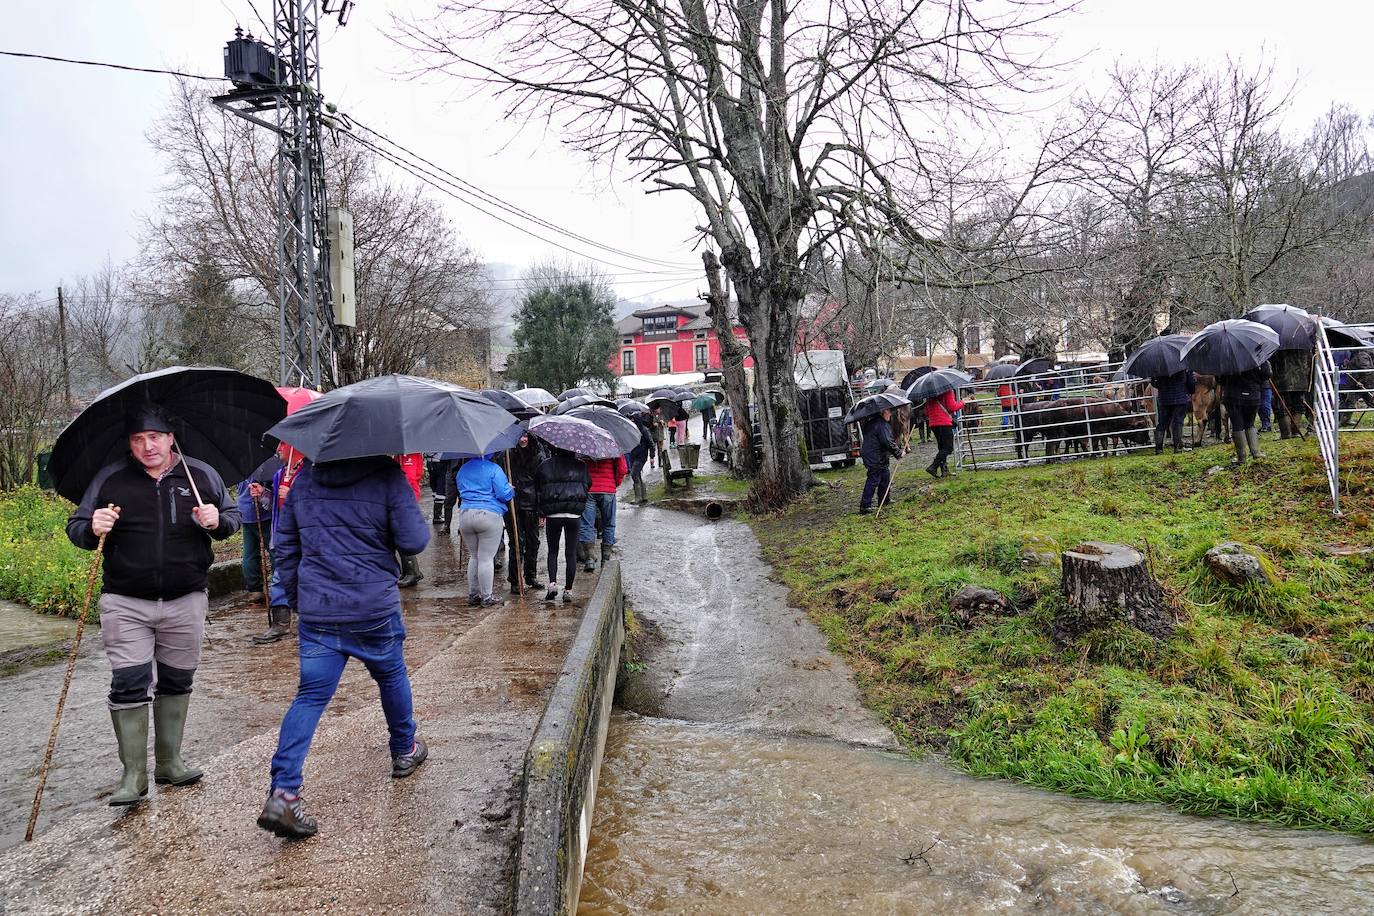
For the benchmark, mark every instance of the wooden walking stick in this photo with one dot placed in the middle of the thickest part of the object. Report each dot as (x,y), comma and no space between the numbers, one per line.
(66,685)
(1286,412)
(515,533)
(263,568)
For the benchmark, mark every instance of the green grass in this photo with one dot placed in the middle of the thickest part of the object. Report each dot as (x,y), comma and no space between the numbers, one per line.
(38,565)
(1259,706)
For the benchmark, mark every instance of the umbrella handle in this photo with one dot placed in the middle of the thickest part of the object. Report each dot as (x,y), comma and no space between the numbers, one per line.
(181,456)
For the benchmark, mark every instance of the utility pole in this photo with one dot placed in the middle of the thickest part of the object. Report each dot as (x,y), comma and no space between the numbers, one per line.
(62,342)
(278,87)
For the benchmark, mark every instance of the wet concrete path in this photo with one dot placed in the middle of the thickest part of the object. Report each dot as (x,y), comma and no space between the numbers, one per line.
(747,778)
(439,842)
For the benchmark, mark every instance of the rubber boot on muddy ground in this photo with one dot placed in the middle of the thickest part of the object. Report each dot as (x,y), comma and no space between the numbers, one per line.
(169,724)
(410,571)
(1159,441)
(131,733)
(438,510)
(1238,442)
(278,625)
(1252,437)
(606,551)
(584,553)
(1286,427)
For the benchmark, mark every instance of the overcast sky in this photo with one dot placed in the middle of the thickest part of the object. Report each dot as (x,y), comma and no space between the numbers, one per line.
(78,172)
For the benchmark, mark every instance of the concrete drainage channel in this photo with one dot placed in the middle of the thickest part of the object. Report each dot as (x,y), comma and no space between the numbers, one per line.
(564,760)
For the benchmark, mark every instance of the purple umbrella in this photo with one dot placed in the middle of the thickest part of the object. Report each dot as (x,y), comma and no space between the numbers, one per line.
(581,437)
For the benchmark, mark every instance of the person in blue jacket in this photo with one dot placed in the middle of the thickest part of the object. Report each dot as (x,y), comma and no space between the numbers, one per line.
(484,495)
(337,538)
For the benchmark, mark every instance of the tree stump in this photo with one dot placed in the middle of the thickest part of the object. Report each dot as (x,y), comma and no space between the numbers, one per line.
(1107,583)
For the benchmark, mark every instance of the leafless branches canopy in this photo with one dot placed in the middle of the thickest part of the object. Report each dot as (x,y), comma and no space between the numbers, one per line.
(795,126)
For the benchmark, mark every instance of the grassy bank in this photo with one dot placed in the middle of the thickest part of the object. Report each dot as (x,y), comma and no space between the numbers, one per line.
(1262,703)
(39,567)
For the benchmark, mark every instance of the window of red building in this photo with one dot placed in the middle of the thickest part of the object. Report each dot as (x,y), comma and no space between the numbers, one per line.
(665,360)
(702,359)
(627,362)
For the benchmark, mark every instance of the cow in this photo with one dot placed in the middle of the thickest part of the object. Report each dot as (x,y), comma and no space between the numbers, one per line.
(1206,408)
(1062,421)
(1115,424)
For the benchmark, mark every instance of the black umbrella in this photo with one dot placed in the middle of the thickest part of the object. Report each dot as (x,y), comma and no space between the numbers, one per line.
(934,384)
(511,403)
(1035,366)
(682,395)
(1230,347)
(397,415)
(717,394)
(630,408)
(219,416)
(624,430)
(1297,329)
(999,371)
(665,401)
(581,437)
(1158,357)
(575,392)
(873,405)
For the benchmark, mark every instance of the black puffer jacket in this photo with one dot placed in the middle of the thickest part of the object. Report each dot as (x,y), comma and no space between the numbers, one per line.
(523,463)
(1245,388)
(156,549)
(561,483)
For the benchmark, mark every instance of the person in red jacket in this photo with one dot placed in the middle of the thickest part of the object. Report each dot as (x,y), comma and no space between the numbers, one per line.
(413,466)
(606,474)
(940,418)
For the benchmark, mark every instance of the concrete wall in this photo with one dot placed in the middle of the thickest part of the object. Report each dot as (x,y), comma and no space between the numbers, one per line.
(564,760)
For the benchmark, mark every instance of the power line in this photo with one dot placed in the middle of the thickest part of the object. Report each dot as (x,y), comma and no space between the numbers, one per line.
(101,63)
(447,187)
(510,207)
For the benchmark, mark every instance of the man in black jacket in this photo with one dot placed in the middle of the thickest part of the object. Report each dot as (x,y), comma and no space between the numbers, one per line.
(522,529)
(153,600)
(877,448)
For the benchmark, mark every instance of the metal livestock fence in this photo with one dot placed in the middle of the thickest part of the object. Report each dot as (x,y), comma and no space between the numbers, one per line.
(1343,394)
(1074,412)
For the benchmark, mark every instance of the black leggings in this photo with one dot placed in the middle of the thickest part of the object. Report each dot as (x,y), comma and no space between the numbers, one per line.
(944,444)
(565,528)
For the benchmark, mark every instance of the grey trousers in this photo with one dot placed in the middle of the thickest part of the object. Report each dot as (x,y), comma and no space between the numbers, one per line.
(481,531)
(139,632)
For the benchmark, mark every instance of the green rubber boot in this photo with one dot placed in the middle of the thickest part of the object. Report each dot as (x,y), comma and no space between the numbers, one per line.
(131,731)
(169,721)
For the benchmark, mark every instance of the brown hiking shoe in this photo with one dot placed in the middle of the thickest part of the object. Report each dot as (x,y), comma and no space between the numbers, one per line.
(283,816)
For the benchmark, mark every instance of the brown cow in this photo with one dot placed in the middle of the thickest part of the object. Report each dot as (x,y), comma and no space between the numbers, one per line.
(1206,408)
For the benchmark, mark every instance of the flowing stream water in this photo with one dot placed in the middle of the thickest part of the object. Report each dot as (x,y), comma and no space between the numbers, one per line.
(755,782)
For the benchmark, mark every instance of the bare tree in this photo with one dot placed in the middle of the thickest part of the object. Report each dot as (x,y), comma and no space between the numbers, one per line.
(30,386)
(788,124)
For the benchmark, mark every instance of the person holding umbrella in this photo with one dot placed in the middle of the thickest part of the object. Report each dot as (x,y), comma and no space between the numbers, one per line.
(157,512)
(1236,351)
(561,483)
(524,538)
(937,390)
(1161,361)
(877,448)
(598,514)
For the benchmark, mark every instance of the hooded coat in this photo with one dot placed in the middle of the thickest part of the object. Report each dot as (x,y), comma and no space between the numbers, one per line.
(338,535)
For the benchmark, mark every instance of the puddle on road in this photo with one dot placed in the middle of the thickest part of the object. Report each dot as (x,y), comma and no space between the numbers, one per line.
(696,819)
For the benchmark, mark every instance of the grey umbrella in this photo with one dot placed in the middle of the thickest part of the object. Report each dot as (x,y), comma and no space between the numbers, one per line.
(581,437)
(581,400)
(1342,335)
(1296,328)
(1159,357)
(934,384)
(575,392)
(509,402)
(1230,347)
(873,405)
(1000,371)
(395,415)
(624,430)
(537,398)
(630,408)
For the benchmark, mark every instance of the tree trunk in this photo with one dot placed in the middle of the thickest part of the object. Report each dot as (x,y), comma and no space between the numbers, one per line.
(769,308)
(732,356)
(1107,583)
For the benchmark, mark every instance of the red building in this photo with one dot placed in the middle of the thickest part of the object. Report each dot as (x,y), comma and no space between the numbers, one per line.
(668,340)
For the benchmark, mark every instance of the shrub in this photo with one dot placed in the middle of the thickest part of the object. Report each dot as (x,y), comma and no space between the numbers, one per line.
(38,565)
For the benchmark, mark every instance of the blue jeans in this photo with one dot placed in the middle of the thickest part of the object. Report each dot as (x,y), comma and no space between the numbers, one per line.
(252,552)
(324,650)
(603,505)
(1266,408)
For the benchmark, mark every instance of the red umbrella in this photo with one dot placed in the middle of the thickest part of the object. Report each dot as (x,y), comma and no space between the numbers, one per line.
(296,398)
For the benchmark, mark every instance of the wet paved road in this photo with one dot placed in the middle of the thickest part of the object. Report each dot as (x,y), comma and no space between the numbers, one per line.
(438,842)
